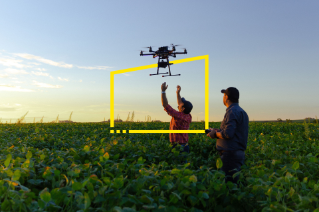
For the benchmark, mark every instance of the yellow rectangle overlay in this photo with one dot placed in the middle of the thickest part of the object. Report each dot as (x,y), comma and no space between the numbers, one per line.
(112,73)
(166,131)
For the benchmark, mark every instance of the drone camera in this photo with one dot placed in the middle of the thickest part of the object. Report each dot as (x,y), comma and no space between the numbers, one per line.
(162,64)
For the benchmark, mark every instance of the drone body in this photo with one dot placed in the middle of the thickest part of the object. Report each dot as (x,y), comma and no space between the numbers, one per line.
(163,54)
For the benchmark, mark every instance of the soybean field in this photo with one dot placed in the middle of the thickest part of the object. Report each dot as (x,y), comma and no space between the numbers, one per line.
(83,167)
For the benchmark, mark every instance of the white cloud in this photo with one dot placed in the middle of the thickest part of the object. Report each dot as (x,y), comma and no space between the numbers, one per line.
(95,67)
(13,71)
(9,107)
(41,69)
(61,79)
(5,87)
(126,74)
(45,85)
(43,60)
(40,74)
(17,82)
(12,63)
(3,75)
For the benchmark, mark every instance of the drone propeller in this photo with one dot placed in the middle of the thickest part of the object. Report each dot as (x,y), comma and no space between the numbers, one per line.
(149,48)
(176,45)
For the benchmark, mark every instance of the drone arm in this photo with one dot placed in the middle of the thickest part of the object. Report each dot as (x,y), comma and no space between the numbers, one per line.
(179,53)
(146,54)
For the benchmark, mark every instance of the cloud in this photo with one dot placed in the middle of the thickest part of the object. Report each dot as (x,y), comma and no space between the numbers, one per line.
(5,87)
(126,74)
(13,71)
(17,82)
(45,85)
(43,60)
(80,80)
(3,75)
(40,74)
(12,63)
(94,67)
(41,69)
(61,79)
(8,107)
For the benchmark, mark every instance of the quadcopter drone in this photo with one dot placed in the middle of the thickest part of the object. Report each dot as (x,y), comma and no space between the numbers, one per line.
(163,53)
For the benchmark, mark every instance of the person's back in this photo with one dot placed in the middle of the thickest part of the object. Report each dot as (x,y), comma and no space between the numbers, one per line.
(234,128)
(180,119)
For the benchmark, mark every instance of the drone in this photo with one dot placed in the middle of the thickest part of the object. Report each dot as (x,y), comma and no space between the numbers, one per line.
(163,53)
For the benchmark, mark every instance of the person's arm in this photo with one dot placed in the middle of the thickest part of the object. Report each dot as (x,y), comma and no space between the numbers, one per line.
(164,99)
(179,99)
(228,131)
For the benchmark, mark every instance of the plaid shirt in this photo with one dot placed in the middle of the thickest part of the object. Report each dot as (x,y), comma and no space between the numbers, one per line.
(179,121)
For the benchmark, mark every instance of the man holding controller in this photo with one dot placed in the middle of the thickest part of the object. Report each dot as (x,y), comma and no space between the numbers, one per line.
(232,136)
(180,119)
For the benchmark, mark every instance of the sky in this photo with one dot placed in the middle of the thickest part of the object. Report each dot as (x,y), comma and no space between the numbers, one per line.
(56,57)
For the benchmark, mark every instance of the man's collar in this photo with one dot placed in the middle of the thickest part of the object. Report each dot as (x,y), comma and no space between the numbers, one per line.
(232,105)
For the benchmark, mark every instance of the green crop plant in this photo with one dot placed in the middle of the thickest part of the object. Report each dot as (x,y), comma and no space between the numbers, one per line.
(82,167)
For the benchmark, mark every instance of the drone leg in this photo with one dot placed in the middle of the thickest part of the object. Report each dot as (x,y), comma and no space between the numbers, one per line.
(170,75)
(158,69)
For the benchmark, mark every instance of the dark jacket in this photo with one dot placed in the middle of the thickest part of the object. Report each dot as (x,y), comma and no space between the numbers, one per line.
(234,129)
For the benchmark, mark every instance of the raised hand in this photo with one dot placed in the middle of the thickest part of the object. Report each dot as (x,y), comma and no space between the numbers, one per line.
(178,89)
(164,86)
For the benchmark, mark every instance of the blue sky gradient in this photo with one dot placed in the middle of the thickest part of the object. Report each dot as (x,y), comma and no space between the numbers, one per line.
(56,56)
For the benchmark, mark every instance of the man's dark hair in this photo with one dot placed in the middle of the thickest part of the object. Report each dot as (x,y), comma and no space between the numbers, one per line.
(187,106)
(232,93)
(233,100)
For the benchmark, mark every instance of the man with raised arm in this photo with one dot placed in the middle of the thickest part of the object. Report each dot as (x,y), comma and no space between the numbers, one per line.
(180,119)
(232,136)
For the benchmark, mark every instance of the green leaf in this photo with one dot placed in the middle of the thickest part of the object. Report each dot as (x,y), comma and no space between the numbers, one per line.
(86,148)
(219,163)
(192,200)
(205,195)
(45,195)
(36,130)
(7,161)
(147,199)
(106,156)
(107,180)
(291,192)
(42,157)
(175,171)
(140,160)
(193,178)
(76,186)
(118,182)
(6,205)
(295,166)
(179,197)
(29,155)
(87,201)
(16,175)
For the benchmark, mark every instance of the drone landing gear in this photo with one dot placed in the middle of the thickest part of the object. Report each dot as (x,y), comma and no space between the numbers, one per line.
(164,64)
(169,70)
(158,73)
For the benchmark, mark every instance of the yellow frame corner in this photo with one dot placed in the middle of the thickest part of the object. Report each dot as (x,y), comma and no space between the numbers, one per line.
(112,73)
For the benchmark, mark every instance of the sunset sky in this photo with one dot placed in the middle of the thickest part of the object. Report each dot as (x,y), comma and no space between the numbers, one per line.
(56,57)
